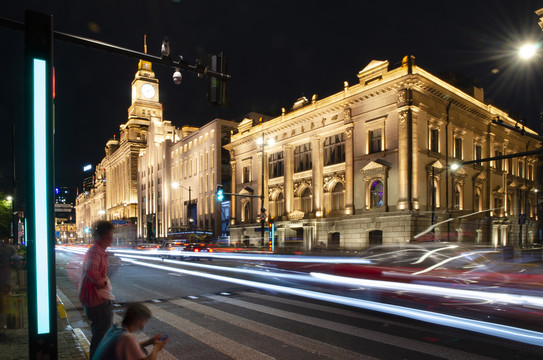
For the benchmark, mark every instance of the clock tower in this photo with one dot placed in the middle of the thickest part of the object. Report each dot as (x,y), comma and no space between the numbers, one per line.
(145,104)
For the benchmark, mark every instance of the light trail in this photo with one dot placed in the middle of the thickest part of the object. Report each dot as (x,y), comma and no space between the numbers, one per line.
(230,256)
(497,330)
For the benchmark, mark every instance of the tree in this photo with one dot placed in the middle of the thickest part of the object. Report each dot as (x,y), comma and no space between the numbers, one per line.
(5,217)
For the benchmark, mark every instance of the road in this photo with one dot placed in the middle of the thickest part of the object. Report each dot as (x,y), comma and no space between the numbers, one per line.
(210,319)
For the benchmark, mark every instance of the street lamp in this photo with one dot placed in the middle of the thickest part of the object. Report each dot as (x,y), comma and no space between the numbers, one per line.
(527,51)
(262,142)
(176,185)
(10,199)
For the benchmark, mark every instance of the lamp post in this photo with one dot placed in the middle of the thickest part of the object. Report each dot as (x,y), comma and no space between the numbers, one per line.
(10,199)
(176,185)
(262,142)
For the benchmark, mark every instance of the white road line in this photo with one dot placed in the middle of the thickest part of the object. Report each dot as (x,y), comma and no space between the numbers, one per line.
(214,340)
(307,344)
(384,338)
(328,309)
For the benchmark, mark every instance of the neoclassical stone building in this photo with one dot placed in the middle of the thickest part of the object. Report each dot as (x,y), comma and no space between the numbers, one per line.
(154,173)
(373,163)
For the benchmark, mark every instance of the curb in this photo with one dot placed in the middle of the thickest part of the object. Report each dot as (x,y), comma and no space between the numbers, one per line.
(83,341)
(77,332)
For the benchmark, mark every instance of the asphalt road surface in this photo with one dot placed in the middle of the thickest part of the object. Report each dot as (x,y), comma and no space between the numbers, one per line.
(211,319)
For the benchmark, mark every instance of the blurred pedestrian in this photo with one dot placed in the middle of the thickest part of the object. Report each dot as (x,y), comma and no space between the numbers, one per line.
(6,252)
(95,292)
(120,343)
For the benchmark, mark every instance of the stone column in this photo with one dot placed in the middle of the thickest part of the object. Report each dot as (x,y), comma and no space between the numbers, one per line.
(233,200)
(289,174)
(403,159)
(349,195)
(317,179)
(415,160)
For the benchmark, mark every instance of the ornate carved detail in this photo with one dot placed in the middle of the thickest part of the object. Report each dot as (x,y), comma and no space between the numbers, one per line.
(232,155)
(347,113)
(296,215)
(272,190)
(403,116)
(349,131)
(302,184)
(328,179)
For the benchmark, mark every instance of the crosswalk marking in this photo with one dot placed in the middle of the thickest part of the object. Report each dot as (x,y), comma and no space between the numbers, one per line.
(313,346)
(216,341)
(384,338)
(328,309)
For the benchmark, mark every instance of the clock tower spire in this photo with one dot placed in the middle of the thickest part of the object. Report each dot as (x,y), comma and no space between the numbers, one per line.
(145,101)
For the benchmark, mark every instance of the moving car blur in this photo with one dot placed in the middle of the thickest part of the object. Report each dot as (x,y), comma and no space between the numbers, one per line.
(493,284)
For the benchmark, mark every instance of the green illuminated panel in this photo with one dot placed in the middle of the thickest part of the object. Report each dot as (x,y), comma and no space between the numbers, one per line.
(40,195)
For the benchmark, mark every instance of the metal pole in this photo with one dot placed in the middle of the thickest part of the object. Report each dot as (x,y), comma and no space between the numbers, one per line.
(447,170)
(433,196)
(262,209)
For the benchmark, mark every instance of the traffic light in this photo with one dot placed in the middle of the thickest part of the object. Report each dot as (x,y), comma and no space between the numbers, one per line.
(220,193)
(217,87)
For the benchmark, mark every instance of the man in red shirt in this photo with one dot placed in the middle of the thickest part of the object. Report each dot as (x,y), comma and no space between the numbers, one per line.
(95,291)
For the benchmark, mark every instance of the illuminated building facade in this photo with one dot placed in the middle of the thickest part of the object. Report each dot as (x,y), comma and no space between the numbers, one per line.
(178,177)
(115,193)
(372,165)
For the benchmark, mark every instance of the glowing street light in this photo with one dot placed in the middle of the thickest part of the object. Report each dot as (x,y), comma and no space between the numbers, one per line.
(527,51)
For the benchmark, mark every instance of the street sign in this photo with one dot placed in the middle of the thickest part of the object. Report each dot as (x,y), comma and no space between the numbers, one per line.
(263,216)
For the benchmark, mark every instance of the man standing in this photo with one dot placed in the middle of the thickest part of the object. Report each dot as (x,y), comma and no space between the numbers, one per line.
(95,288)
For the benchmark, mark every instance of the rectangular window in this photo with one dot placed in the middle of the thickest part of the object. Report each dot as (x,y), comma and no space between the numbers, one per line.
(434,140)
(520,169)
(478,154)
(334,149)
(510,166)
(499,162)
(246,176)
(458,148)
(302,158)
(530,172)
(276,165)
(375,140)
(212,157)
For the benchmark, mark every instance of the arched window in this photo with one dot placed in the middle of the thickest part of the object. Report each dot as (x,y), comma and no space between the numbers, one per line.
(376,194)
(338,202)
(246,212)
(477,200)
(279,205)
(457,196)
(306,201)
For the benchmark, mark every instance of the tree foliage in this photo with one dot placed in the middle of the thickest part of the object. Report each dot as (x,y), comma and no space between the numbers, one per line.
(5,216)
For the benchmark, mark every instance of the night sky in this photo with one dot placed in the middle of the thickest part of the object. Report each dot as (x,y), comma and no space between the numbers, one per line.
(277,51)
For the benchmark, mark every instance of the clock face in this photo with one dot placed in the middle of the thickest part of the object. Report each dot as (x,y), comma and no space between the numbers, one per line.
(148,90)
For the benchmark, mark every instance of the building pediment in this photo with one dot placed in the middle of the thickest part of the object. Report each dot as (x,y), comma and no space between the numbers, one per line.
(480,177)
(498,189)
(436,165)
(373,165)
(460,172)
(373,71)
(245,125)
(512,184)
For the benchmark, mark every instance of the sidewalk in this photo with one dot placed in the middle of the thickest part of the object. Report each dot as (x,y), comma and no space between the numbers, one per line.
(72,343)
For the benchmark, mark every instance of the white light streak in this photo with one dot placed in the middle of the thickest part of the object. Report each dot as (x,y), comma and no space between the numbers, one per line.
(498,330)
